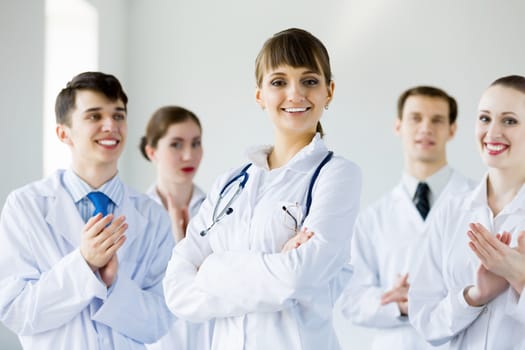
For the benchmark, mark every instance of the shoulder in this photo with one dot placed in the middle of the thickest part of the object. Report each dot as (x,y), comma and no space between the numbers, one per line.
(46,187)
(340,168)
(386,204)
(460,183)
(143,203)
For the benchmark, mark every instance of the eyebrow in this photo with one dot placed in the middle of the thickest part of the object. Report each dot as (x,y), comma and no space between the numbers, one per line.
(177,138)
(96,109)
(502,113)
(278,73)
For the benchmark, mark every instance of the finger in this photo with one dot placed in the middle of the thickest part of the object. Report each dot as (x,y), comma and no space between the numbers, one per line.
(98,228)
(480,256)
(506,238)
(120,241)
(489,243)
(116,228)
(389,297)
(113,237)
(89,225)
(521,242)
(485,235)
(481,248)
(404,279)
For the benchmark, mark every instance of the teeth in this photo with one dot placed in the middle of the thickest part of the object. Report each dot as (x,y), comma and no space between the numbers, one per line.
(495,148)
(108,142)
(292,110)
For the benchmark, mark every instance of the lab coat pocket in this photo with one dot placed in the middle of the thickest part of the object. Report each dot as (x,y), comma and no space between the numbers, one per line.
(284,221)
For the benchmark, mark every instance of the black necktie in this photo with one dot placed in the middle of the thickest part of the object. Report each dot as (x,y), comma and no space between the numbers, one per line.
(100,201)
(421,199)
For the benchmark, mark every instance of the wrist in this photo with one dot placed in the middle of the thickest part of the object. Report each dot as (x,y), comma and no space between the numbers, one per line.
(472,296)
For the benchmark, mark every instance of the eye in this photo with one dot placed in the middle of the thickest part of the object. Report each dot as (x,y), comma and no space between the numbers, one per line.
(196,144)
(438,120)
(415,118)
(119,117)
(483,118)
(278,82)
(176,145)
(93,116)
(311,82)
(509,121)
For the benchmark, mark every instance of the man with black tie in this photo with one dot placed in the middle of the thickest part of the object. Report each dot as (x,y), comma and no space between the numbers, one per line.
(389,234)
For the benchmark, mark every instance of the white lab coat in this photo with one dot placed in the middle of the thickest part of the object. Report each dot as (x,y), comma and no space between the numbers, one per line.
(48,294)
(387,241)
(183,334)
(437,307)
(262,298)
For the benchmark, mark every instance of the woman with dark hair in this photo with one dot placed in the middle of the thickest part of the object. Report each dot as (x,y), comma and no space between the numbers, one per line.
(173,144)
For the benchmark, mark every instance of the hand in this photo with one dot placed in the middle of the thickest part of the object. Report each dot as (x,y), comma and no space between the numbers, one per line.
(488,286)
(179,219)
(301,237)
(496,255)
(108,273)
(398,294)
(101,238)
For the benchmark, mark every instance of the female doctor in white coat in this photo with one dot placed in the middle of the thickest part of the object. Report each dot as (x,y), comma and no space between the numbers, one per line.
(172,142)
(456,295)
(231,266)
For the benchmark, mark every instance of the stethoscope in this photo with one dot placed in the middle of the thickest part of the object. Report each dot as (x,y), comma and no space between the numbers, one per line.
(242,178)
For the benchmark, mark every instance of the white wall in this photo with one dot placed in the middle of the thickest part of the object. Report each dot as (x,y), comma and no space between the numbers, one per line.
(201,54)
(21,100)
(202,57)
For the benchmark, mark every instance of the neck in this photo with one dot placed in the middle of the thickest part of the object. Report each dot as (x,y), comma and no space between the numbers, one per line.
(95,176)
(423,170)
(286,147)
(181,193)
(502,187)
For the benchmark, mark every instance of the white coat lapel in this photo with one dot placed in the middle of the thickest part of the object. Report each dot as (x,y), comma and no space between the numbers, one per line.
(136,222)
(63,216)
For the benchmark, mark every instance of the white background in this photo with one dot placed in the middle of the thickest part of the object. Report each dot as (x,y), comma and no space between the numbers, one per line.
(200,54)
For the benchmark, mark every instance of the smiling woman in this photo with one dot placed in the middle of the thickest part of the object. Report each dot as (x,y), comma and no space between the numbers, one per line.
(283,267)
(469,289)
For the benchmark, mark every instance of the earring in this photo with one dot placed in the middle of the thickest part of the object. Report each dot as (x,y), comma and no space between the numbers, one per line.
(326,107)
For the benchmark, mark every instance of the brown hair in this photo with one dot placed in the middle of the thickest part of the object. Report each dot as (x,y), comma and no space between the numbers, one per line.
(429,91)
(103,83)
(516,82)
(160,122)
(296,48)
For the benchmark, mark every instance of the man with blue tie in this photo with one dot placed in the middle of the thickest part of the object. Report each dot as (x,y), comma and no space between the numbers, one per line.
(82,255)
(389,234)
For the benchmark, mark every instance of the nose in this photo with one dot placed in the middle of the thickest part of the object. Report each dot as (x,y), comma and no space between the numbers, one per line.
(296,92)
(493,130)
(426,126)
(187,153)
(109,124)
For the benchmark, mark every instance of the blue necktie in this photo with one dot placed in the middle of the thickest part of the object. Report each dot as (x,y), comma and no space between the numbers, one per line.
(100,201)
(421,199)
